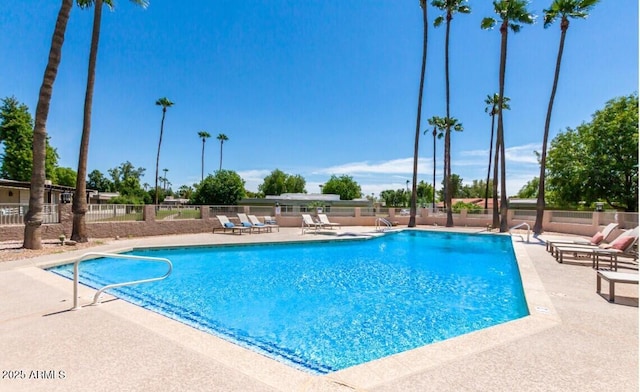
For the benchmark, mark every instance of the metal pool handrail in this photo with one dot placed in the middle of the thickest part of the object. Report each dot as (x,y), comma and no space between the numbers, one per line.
(385,222)
(520,225)
(92,255)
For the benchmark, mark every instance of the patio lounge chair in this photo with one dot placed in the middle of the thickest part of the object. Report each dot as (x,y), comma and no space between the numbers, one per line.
(308,223)
(227,225)
(613,278)
(256,222)
(269,220)
(244,220)
(621,246)
(325,221)
(606,235)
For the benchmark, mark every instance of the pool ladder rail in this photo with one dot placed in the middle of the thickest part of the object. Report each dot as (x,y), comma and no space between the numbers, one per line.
(380,222)
(93,255)
(520,225)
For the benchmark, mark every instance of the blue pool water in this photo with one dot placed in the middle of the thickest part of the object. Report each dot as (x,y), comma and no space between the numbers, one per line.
(330,305)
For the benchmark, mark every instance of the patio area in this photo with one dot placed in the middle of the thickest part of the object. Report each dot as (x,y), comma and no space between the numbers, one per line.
(573,340)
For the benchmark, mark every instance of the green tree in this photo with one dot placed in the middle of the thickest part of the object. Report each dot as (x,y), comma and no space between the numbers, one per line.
(79,206)
(16,137)
(414,191)
(529,190)
(65,176)
(185,191)
(455,186)
(222,138)
(344,186)
(564,9)
(477,189)
(279,182)
(126,181)
(512,13)
(97,181)
(425,192)
(226,187)
(204,135)
(598,161)
(33,218)
(165,103)
(492,102)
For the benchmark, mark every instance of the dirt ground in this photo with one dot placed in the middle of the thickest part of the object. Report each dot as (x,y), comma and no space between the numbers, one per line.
(13,250)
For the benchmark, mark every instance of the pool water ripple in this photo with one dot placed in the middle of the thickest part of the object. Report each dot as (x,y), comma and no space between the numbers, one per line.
(327,306)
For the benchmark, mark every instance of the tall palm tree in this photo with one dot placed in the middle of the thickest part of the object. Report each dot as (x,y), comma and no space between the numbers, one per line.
(492,102)
(222,137)
(165,103)
(512,13)
(204,135)
(564,9)
(79,207)
(164,179)
(33,218)
(444,125)
(414,189)
(449,7)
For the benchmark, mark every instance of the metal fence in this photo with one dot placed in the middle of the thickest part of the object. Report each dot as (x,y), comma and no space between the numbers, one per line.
(114,213)
(14,213)
(581,217)
(178,212)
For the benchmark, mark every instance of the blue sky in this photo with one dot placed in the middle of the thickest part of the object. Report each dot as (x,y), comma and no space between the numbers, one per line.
(313,88)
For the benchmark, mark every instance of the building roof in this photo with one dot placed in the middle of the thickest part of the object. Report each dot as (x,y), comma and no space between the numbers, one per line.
(27,185)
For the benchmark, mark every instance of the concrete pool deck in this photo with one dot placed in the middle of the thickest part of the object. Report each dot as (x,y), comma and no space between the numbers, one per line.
(573,340)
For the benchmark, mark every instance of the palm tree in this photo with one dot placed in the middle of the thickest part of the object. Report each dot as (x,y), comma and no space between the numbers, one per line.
(165,103)
(414,189)
(204,135)
(164,179)
(512,14)
(492,102)
(449,7)
(222,137)
(564,9)
(33,218)
(79,207)
(444,125)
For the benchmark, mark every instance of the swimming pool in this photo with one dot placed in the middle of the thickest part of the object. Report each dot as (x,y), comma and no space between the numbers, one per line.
(331,305)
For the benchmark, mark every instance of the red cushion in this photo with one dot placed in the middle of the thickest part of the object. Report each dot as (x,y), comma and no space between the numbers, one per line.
(597,238)
(622,242)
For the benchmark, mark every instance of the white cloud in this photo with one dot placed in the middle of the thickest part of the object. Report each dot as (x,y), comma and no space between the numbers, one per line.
(395,166)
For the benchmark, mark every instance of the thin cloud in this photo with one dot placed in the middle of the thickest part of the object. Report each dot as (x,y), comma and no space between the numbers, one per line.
(395,166)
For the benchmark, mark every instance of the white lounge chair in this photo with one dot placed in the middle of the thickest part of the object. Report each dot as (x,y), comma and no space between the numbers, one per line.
(613,278)
(308,223)
(256,223)
(228,225)
(622,246)
(325,221)
(246,222)
(604,236)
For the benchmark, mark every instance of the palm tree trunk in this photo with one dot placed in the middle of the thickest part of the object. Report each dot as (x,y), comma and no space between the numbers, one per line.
(537,227)
(33,218)
(79,230)
(503,186)
(164,111)
(447,136)
(202,164)
(486,190)
(221,143)
(414,189)
(496,160)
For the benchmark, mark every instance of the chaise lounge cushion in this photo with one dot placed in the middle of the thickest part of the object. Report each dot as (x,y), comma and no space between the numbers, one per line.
(229,225)
(622,242)
(597,238)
